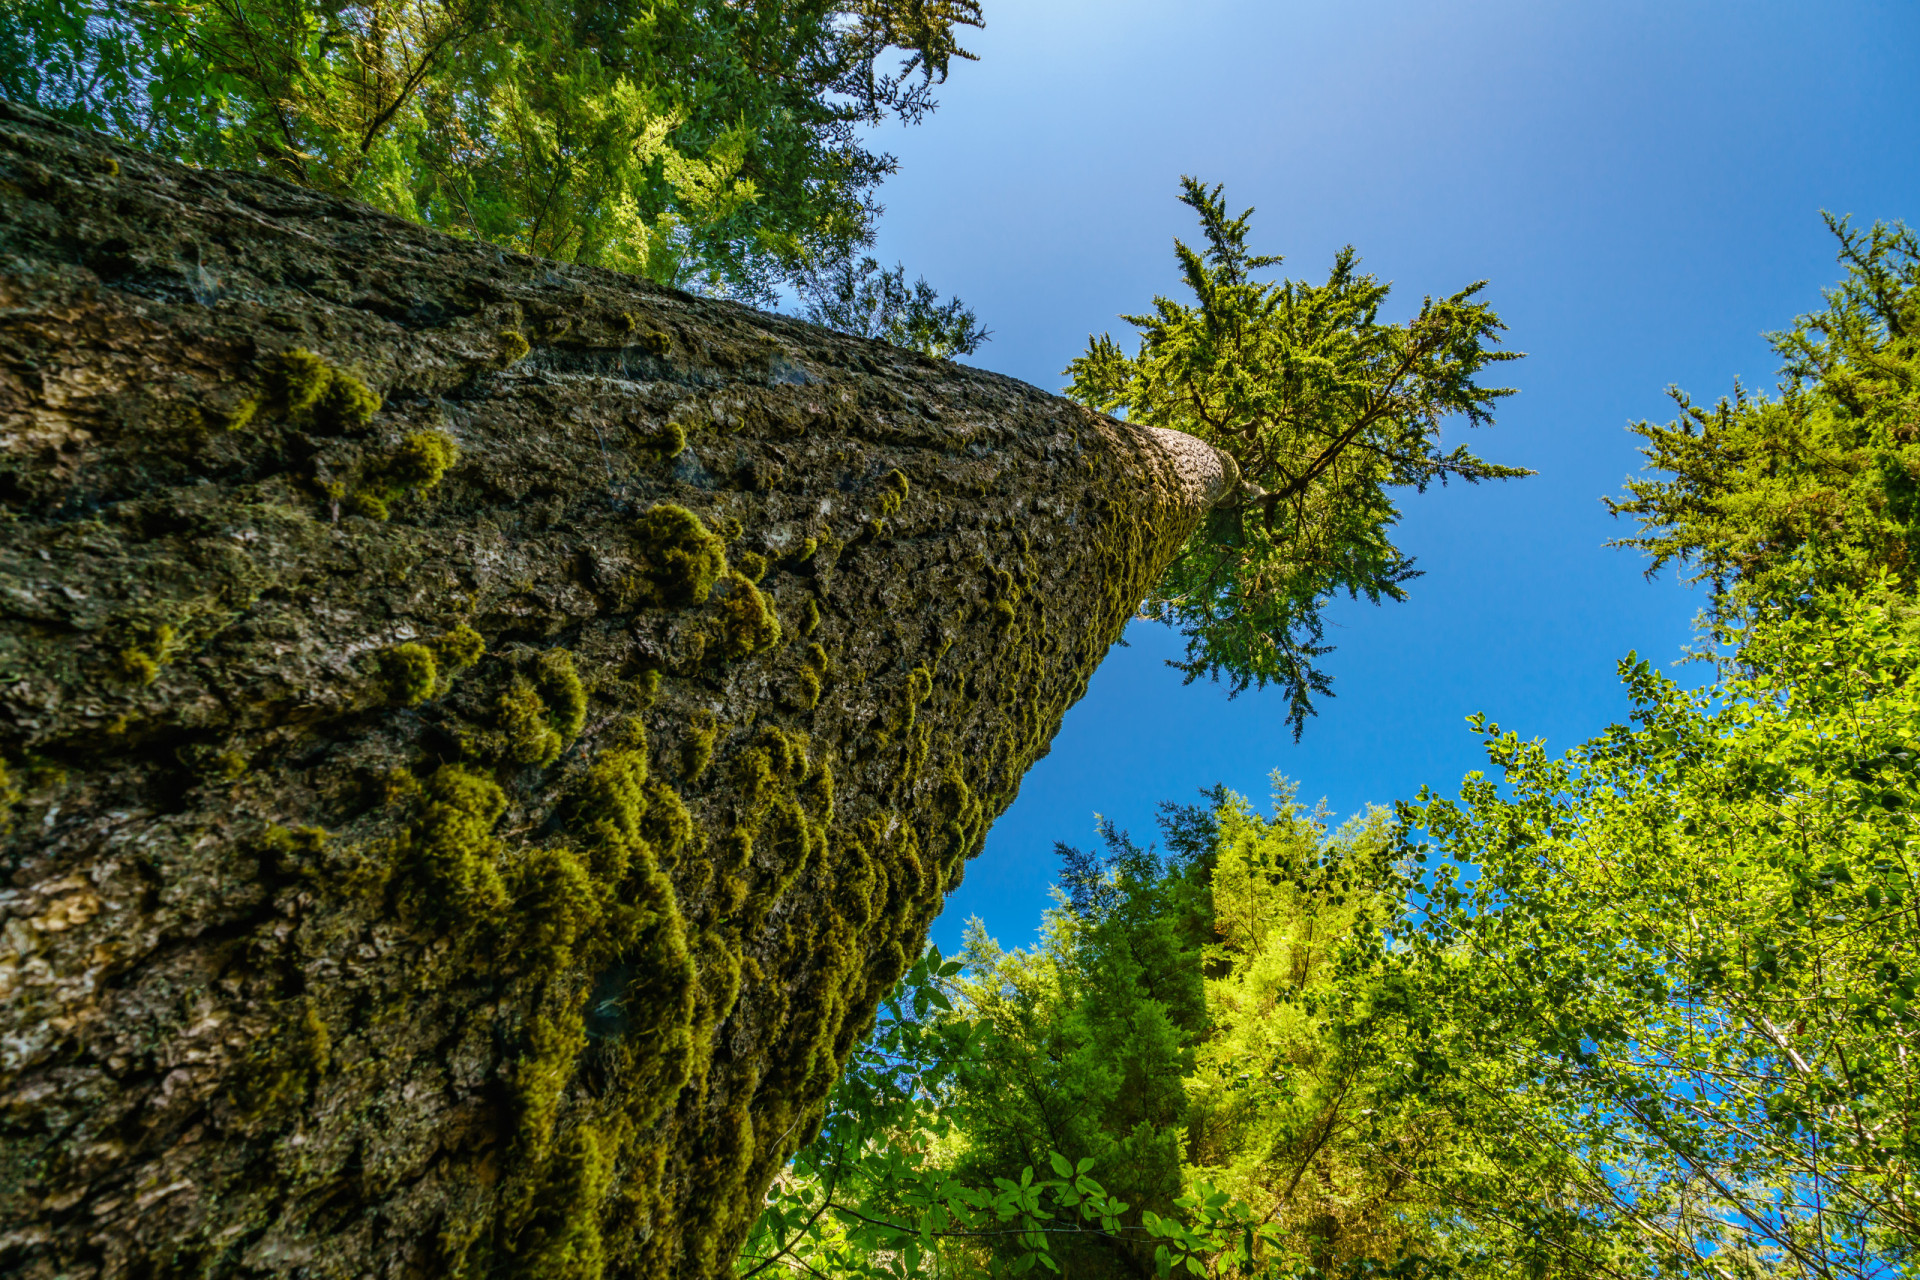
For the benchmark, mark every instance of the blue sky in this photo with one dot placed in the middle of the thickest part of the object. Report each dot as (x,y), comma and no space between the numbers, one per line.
(1641,183)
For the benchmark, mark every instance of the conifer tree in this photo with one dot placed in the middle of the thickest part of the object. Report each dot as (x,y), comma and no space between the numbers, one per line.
(1814,487)
(701,142)
(1167,1077)
(499,734)
(868,301)
(1091,1040)
(1327,408)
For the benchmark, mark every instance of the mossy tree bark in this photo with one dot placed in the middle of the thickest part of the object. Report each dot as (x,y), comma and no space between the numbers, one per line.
(480,737)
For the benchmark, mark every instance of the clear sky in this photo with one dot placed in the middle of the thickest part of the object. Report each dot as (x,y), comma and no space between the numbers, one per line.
(1640,182)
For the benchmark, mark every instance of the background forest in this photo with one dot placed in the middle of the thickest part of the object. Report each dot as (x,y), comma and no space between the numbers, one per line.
(1641,1007)
(1644,1008)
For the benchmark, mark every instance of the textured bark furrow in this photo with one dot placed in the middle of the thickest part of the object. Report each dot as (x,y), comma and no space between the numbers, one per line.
(480,736)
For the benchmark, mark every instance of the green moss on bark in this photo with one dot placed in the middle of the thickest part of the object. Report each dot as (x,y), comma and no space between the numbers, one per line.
(561,690)
(748,623)
(411,672)
(679,558)
(512,346)
(449,861)
(751,565)
(283,1064)
(334,398)
(10,795)
(422,459)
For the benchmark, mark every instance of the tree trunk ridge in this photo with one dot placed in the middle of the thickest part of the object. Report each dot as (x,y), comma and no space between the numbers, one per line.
(480,736)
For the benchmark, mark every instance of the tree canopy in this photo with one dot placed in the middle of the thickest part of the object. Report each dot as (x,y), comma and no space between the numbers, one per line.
(869,301)
(1648,1009)
(1326,407)
(1818,485)
(1671,973)
(1153,1086)
(699,141)
(717,145)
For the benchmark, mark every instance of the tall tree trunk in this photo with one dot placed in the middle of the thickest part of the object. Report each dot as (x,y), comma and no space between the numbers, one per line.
(481,736)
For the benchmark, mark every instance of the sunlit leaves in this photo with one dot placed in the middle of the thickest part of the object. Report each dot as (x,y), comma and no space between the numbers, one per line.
(1814,487)
(702,142)
(1083,1053)
(1682,959)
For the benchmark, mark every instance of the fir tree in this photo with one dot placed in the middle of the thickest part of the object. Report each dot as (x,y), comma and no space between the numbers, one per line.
(868,301)
(1818,485)
(703,142)
(1327,408)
